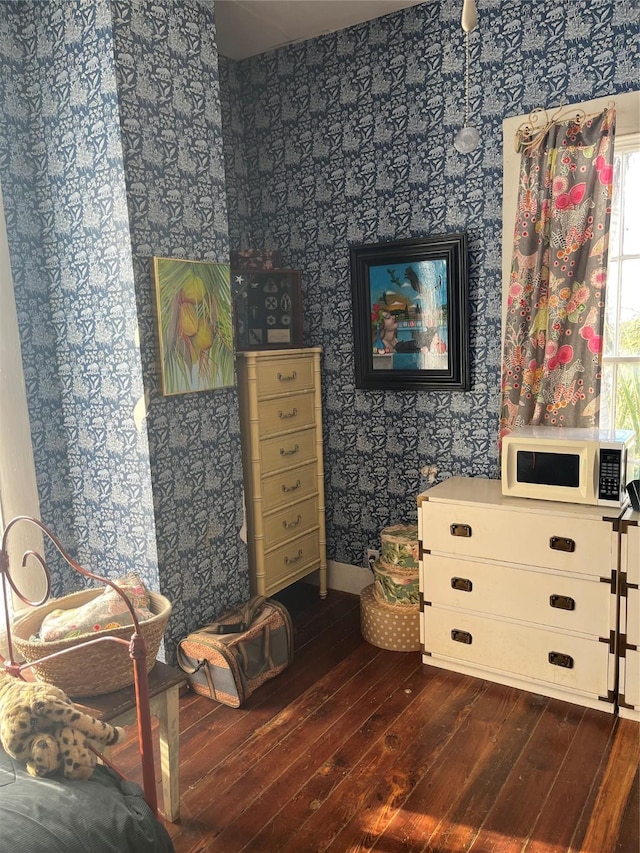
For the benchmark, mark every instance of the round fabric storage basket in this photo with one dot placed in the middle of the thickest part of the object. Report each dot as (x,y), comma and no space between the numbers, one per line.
(89,670)
(387,626)
(394,585)
(399,546)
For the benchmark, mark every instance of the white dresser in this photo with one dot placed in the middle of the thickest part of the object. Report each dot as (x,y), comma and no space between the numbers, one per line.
(522,592)
(629,645)
(281,422)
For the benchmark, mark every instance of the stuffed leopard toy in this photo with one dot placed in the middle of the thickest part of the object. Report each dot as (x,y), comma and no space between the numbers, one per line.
(40,725)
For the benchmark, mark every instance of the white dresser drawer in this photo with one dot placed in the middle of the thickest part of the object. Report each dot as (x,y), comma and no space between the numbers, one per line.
(630,620)
(632,545)
(286,450)
(287,522)
(518,593)
(633,617)
(292,412)
(565,543)
(631,679)
(524,651)
(288,486)
(284,375)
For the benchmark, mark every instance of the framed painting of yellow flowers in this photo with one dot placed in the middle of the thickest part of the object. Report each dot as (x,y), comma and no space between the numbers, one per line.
(195,330)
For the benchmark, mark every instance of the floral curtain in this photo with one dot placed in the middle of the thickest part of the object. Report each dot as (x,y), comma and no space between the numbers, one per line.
(551,365)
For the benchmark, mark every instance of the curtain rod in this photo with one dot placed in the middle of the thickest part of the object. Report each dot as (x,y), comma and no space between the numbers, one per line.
(530,132)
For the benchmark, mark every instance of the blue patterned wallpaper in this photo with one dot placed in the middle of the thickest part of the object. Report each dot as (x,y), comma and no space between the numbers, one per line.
(65,204)
(235,157)
(169,97)
(111,116)
(348,139)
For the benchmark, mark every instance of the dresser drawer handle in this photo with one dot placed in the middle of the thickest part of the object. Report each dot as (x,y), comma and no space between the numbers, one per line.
(560,659)
(289,524)
(562,602)
(460,530)
(284,452)
(289,378)
(461,637)
(284,415)
(463,584)
(561,543)
(291,488)
(293,559)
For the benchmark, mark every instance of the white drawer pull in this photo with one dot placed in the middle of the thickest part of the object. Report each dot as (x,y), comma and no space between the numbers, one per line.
(560,659)
(292,452)
(562,602)
(461,637)
(293,559)
(289,378)
(291,488)
(463,584)
(285,415)
(289,524)
(461,530)
(561,543)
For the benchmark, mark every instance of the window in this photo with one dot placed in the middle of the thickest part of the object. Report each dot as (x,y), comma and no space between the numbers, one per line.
(620,399)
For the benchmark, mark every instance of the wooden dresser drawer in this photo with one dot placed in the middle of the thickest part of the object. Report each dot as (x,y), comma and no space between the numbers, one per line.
(292,412)
(520,650)
(299,555)
(558,601)
(565,543)
(280,398)
(292,520)
(282,376)
(288,486)
(286,450)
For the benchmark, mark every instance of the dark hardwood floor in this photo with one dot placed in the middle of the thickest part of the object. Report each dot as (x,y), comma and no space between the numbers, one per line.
(355,748)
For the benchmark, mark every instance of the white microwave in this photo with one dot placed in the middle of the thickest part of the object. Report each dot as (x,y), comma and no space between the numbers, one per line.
(574,465)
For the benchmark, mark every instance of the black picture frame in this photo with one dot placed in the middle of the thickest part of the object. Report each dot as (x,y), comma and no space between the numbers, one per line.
(267,309)
(410,314)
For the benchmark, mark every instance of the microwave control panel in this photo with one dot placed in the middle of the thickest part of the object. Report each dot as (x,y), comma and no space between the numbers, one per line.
(610,468)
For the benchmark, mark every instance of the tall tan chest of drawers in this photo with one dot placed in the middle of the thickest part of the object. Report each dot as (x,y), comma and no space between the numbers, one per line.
(281,422)
(629,645)
(522,592)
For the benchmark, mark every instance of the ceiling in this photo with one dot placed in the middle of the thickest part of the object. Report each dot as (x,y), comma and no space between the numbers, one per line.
(249,27)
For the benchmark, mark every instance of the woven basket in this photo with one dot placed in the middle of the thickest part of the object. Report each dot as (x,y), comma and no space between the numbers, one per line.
(91,670)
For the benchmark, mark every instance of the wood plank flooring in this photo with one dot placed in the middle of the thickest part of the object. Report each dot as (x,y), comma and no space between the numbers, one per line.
(354,748)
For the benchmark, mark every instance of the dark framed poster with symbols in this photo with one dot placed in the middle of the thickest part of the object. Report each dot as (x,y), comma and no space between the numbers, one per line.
(267,308)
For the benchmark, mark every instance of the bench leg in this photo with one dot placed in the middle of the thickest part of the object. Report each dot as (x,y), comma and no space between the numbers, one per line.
(167,714)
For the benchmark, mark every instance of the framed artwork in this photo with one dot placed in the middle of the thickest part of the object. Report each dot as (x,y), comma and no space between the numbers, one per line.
(268,309)
(195,329)
(410,314)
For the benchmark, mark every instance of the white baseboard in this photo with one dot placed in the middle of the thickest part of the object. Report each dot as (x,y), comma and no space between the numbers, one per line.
(345,577)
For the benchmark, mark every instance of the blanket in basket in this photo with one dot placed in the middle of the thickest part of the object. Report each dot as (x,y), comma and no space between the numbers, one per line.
(105,612)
